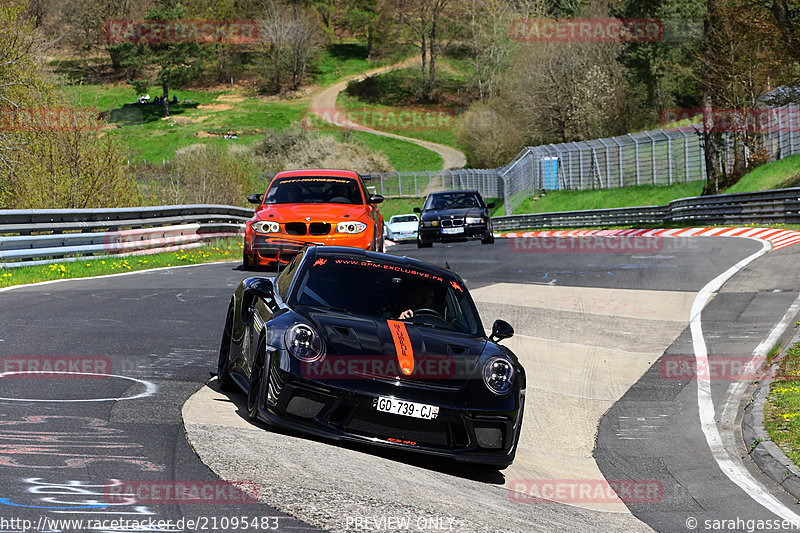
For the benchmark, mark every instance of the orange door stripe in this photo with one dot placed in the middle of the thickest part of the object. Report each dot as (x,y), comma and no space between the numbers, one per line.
(402,346)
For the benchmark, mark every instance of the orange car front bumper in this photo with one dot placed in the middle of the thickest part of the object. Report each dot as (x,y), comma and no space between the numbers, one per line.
(278,247)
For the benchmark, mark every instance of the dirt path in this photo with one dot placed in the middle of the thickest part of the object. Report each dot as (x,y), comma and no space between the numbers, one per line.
(324,102)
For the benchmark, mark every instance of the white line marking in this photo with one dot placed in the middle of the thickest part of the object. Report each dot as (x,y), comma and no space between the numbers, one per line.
(735,471)
(149,388)
(118,274)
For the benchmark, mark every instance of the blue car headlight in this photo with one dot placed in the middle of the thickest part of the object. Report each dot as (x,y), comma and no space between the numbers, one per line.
(498,375)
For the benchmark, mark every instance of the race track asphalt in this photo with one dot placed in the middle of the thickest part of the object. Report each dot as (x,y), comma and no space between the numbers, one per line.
(589,348)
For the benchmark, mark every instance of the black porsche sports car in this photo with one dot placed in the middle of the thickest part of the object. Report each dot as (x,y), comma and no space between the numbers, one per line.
(454,216)
(362,346)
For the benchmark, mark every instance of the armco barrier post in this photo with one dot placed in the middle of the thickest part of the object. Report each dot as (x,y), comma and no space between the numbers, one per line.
(669,155)
(652,157)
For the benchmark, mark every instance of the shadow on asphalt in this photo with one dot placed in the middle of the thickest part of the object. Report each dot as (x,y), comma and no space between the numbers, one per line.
(481,473)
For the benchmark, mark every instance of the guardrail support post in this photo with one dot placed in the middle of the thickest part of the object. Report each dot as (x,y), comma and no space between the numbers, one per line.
(636,145)
(669,156)
(686,153)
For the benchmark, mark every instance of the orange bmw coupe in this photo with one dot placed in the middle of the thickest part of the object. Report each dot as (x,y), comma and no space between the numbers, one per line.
(311,207)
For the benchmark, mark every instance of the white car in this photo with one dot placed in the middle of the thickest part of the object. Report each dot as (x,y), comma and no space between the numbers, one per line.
(402,228)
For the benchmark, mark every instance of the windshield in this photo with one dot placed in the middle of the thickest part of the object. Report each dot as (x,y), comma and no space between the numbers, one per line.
(453,201)
(385,291)
(403,218)
(314,190)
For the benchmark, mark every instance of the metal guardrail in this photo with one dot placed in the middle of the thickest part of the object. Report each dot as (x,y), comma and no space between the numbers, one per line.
(781,206)
(31,237)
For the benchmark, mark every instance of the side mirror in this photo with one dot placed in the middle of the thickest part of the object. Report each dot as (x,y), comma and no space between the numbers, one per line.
(490,205)
(255,198)
(375,199)
(417,210)
(501,330)
(262,288)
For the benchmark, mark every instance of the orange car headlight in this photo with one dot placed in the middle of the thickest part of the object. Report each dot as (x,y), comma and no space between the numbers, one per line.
(351,226)
(267,226)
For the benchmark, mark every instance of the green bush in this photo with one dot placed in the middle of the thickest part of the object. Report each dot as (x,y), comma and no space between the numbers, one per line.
(296,147)
(200,174)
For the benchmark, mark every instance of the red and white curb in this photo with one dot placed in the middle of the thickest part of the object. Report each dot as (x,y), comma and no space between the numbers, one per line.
(779,238)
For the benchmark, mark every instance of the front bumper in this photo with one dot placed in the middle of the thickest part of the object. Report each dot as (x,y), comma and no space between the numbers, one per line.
(278,247)
(477,435)
(405,236)
(470,231)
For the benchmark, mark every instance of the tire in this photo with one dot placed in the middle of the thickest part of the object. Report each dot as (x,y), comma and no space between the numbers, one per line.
(424,244)
(247,263)
(256,381)
(381,245)
(489,237)
(224,379)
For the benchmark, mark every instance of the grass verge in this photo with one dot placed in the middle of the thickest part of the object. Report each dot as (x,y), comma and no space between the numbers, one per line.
(633,196)
(780,174)
(403,155)
(433,123)
(218,250)
(776,175)
(341,60)
(782,409)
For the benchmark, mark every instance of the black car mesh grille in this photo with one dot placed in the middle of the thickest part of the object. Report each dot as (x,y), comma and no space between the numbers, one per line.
(452,222)
(379,424)
(319,228)
(301,228)
(295,228)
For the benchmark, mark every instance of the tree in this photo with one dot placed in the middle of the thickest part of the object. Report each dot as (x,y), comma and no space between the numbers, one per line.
(290,42)
(175,62)
(742,55)
(491,45)
(424,20)
(360,18)
(22,85)
(664,72)
(45,163)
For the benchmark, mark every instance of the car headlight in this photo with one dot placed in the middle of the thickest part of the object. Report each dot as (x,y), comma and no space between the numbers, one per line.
(304,343)
(350,226)
(474,220)
(267,226)
(498,375)
(428,223)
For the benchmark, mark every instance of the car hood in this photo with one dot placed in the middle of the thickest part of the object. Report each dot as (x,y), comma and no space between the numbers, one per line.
(457,213)
(366,348)
(404,226)
(317,212)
